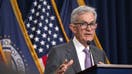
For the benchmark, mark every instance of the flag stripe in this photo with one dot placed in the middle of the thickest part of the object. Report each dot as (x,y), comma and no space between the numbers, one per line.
(26,37)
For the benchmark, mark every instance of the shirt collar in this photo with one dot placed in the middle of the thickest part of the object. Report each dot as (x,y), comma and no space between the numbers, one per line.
(79,47)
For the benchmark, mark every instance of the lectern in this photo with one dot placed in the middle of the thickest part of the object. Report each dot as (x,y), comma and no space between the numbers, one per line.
(108,69)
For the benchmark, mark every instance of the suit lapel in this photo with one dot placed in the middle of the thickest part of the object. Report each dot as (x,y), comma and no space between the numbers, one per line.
(73,55)
(94,54)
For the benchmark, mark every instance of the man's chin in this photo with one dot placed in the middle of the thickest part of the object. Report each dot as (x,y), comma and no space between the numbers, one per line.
(89,39)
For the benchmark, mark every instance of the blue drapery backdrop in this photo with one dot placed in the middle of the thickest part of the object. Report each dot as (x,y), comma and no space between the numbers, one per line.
(114,26)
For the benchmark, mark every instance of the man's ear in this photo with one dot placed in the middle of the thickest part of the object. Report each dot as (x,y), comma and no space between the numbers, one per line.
(95,26)
(73,28)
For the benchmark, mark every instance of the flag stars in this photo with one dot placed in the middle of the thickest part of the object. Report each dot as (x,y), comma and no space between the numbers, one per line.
(50,25)
(26,65)
(55,35)
(42,42)
(40,50)
(47,14)
(42,27)
(61,39)
(48,39)
(45,3)
(33,10)
(43,10)
(47,46)
(28,25)
(35,46)
(46,20)
(49,32)
(45,28)
(44,35)
(38,32)
(23,56)
(17,48)
(48,7)
(56,28)
(35,21)
(30,18)
(35,3)
(41,17)
(33,28)
(52,17)
(36,39)
(25,60)
(40,0)
(31,36)
(39,6)
(37,14)
(40,24)
(20,52)
(53,42)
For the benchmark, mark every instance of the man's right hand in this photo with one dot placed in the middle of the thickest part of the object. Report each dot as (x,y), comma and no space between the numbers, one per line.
(63,67)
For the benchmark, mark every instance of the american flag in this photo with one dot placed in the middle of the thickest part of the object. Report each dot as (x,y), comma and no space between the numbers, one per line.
(43,28)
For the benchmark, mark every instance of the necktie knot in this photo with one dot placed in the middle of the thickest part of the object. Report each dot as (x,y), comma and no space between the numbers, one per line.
(86,51)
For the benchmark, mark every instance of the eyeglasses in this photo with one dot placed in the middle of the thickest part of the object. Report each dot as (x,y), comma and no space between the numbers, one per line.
(85,24)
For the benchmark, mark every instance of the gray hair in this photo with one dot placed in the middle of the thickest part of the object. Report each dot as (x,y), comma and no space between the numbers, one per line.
(81,10)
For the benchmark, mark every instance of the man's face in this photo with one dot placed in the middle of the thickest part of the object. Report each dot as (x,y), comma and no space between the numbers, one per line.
(84,29)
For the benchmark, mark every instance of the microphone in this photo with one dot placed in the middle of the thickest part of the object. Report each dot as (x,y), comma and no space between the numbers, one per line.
(89,42)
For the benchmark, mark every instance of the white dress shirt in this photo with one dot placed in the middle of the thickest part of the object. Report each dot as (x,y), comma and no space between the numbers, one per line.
(80,53)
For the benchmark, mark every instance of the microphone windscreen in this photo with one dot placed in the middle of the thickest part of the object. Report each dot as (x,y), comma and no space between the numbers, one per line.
(88,42)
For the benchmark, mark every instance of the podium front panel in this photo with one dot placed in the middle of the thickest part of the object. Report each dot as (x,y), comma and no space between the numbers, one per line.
(108,69)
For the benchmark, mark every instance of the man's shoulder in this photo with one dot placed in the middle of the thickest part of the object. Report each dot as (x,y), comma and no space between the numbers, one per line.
(60,45)
(95,48)
(63,45)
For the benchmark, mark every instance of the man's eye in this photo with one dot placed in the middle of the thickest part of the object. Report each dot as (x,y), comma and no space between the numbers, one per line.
(84,23)
(91,24)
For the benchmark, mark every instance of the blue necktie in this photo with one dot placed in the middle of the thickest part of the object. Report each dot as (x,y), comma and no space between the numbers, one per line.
(87,58)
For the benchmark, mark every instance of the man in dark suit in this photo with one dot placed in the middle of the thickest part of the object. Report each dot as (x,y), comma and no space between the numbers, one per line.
(70,58)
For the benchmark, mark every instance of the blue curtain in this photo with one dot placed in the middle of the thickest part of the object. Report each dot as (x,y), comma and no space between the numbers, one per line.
(114,26)
(67,7)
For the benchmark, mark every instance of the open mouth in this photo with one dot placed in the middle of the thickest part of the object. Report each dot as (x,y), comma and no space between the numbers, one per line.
(87,34)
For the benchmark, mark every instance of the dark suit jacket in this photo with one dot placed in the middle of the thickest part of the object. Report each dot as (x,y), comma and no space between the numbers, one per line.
(67,51)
